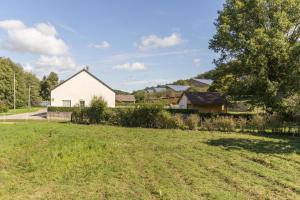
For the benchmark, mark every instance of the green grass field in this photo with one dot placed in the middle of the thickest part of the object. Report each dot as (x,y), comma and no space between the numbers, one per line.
(41,160)
(20,111)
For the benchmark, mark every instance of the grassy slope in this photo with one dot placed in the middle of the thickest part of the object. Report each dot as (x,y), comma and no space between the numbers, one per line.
(20,111)
(63,161)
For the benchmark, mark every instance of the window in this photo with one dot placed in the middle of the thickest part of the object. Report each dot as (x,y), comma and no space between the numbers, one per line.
(81,103)
(66,103)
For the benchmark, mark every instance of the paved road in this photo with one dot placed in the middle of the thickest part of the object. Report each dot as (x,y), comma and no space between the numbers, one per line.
(38,115)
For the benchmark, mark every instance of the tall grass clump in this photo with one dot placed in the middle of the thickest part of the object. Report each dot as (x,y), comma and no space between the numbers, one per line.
(226,124)
(3,107)
(179,121)
(192,121)
(257,122)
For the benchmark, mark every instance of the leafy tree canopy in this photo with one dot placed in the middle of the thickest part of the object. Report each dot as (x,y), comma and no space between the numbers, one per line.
(259,46)
(47,84)
(24,80)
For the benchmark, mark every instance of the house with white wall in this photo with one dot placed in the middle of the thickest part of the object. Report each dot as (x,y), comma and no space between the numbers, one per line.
(79,89)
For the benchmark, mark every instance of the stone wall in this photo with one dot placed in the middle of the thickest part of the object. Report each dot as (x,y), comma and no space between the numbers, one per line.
(64,116)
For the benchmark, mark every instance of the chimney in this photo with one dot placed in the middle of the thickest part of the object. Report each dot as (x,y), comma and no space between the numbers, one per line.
(87,68)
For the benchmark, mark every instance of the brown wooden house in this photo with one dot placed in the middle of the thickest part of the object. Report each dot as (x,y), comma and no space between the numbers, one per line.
(125,98)
(206,102)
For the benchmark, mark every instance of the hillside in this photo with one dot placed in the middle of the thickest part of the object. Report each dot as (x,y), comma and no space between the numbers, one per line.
(42,160)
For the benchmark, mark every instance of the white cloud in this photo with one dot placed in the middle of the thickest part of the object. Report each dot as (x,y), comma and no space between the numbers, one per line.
(196,61)
(47,64)
(11,24)
(138,55)
(40,39)
(155,42)
(102,45)
(63,62)
(136,66)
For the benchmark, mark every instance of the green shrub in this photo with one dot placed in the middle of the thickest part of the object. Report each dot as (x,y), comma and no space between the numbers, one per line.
(124,117)
(145,115)
(96,110)
(3,107)
(178,120)
(80,116)
(192,121)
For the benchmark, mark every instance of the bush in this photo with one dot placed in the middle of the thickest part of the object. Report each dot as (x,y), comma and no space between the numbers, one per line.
(3,107)
(96,110)
(192,121)
(80,116)
(145,115)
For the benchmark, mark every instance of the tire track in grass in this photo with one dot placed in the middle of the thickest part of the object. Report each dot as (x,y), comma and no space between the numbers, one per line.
(204,170)
(260,174)
(235,169)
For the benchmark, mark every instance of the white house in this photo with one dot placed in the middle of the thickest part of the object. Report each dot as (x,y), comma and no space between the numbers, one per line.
(79,89)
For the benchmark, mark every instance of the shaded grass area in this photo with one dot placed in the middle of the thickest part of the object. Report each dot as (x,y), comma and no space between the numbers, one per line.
(41,160)
(20,111)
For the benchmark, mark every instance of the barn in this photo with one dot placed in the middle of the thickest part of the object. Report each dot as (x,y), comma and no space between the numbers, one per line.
(206,102)
(79,89)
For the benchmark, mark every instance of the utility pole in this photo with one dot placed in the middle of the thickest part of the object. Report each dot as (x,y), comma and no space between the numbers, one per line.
(14,90)
(29,100)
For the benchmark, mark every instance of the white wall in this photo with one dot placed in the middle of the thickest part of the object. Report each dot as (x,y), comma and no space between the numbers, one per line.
(183,102)
(81,87)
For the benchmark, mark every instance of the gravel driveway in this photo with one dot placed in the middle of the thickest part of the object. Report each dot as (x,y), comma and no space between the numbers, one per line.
(38,115)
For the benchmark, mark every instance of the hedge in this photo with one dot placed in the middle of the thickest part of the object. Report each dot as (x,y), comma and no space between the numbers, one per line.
(209,115)
(172,111)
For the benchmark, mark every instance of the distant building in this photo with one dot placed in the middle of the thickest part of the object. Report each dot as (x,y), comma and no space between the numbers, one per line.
(206,102)
(79,89)
(125,98)
(156,90)
(201,82)
(178,88)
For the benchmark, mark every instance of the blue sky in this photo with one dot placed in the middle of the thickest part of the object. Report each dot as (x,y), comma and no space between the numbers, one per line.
(129,44)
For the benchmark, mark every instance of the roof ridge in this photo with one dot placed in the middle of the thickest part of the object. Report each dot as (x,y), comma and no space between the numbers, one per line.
(89,73)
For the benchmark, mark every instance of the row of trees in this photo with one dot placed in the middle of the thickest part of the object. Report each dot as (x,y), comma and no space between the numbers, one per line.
(259,46)
(39,90)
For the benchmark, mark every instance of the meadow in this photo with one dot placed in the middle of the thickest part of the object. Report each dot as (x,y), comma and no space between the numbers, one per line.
(52,160)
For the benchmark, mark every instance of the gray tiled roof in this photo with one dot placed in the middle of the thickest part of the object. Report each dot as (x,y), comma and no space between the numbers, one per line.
(205,98)
(179,88)
(205,81)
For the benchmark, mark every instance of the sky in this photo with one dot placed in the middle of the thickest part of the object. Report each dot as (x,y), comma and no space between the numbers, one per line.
(128,44)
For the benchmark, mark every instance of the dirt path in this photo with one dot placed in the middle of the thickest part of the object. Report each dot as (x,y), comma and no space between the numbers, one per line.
(38,115)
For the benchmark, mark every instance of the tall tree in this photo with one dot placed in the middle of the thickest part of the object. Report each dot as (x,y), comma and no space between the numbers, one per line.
(259,46)
(47,84)
(52,79)
(32,82)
